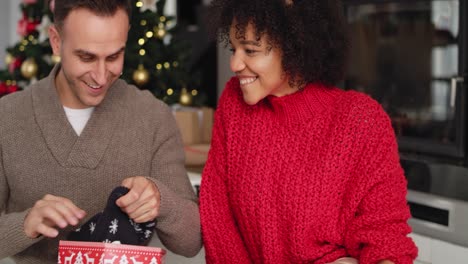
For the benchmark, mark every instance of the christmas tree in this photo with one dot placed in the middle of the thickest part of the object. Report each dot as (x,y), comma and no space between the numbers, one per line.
(155,57)
(29,59)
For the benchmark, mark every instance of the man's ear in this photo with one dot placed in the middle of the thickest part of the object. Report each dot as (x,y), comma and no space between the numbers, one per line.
(55,39)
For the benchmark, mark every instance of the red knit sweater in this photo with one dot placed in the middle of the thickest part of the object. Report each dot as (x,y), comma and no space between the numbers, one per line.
(304,178)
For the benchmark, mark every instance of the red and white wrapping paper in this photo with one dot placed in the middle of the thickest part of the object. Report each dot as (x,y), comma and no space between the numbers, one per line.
(71,252)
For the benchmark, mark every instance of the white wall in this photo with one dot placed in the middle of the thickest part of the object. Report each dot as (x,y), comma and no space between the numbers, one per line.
(224,71)
(4,30)
(9,16)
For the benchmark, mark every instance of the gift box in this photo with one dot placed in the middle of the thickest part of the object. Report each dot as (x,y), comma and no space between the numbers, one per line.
(195,124)
(206,124)
(189,126)
(72,252)
(197,154)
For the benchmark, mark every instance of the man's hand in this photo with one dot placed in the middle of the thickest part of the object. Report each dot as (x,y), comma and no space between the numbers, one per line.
(142,202)
(51,212)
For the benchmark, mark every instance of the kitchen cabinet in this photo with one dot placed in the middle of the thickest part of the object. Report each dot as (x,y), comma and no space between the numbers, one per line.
(435,251)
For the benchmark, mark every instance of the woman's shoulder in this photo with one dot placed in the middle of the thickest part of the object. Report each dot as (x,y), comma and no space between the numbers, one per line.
(360,103)
(360,110)
(231,96)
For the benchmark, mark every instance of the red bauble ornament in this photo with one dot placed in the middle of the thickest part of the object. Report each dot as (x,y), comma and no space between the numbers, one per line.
(12,88)
(3,88)
(15,64)
(26,26)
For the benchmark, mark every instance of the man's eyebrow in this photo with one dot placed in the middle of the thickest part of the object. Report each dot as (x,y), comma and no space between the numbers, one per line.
(122,49)
(81,52)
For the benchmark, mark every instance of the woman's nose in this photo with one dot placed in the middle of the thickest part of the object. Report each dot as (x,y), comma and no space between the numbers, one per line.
(237,63)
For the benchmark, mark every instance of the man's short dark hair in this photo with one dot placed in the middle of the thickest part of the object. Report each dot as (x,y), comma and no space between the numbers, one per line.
(99,7)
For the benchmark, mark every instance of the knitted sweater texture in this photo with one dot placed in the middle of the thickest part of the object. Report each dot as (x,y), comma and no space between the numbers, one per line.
(304,178)
(129,134)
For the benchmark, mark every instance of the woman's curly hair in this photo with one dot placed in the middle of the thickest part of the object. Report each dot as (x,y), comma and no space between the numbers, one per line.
(310,33)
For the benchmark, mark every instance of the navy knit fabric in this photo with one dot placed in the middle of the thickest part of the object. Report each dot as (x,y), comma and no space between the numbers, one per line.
(113,225)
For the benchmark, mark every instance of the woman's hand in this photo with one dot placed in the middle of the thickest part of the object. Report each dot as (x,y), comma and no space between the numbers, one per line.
(346,260)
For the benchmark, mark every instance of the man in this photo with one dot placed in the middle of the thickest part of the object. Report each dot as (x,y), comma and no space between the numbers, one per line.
(73,136)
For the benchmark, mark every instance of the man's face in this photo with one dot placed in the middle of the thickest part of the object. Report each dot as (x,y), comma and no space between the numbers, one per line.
(91,48)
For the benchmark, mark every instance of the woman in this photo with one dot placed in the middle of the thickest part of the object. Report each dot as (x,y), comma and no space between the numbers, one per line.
(299,171)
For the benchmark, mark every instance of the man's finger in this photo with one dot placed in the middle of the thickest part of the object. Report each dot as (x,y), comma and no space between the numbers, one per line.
(72,208)
(137,186)
(46,231)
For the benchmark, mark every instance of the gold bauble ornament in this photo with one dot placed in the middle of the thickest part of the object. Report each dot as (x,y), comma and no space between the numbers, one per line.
(55,59)
(185,97)
(9,59)
(29,68)
(141,75)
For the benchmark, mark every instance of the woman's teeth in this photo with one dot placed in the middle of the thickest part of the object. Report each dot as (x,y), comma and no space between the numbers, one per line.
(245,81)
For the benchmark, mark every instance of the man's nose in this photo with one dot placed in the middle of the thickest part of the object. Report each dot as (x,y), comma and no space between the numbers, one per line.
(99,74)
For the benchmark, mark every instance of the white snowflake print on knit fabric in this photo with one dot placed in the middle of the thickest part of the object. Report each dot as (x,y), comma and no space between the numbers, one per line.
(148,233)
(92,227)
(114,226)
(136,226)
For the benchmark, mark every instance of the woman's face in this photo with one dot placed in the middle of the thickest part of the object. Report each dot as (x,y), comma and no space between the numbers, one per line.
(258,66)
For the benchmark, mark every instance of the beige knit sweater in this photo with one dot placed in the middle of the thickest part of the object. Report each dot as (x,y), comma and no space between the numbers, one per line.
(129,134)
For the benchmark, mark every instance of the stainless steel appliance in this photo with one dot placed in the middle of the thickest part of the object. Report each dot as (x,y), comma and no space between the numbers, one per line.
(438,198)
(412,56)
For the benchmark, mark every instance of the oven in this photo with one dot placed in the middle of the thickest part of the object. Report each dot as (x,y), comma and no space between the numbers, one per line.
(412,57)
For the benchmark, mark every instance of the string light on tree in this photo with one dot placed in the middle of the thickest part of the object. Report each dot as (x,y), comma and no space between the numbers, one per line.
(141,75)
(149,34)
(160,31)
